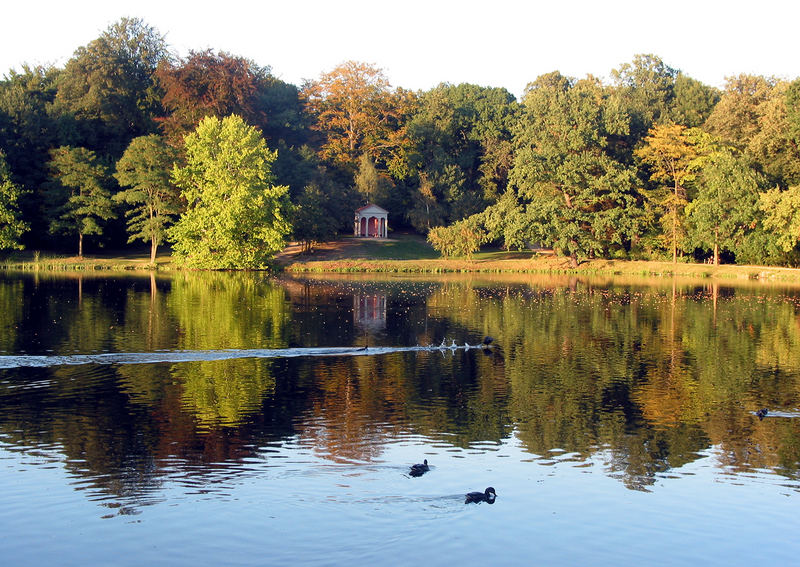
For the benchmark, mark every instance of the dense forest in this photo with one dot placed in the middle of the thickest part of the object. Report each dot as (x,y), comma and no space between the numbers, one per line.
(213,154)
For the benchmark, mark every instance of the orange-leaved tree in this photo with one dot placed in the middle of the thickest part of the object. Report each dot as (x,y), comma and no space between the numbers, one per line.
(357,112)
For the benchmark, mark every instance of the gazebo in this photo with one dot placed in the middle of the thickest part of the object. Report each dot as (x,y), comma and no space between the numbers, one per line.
(371,221)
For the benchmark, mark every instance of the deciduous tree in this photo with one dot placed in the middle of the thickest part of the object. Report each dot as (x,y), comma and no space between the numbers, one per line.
(80,199)
(109,86)
(11,225)
(209,84)
(462,238)
(462,151)
(236,217)
(670,153)
(693,103)
(774,145)
(357,112)
(725,207)
(646,87)
(573,195)
(782,216)
(734,120)
(145,170)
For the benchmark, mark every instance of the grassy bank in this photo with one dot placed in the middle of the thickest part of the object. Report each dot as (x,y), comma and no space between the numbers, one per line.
(411,254)
(544,264)
(408,254)
(112,261)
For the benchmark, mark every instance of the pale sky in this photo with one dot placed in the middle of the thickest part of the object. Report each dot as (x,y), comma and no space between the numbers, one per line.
(420,43)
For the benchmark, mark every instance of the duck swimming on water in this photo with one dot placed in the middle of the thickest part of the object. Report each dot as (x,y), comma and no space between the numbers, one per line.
(487,496)
(762,413)
(419,469)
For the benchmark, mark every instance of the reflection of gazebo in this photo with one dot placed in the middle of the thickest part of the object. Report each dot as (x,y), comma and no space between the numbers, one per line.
(371,220)
(369,311)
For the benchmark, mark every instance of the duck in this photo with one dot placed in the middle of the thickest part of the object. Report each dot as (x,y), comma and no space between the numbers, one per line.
(762,413)
(487,340)
(420,469)
(487,496)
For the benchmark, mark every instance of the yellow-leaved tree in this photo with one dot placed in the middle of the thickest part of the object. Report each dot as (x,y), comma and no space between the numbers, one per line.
(672,151)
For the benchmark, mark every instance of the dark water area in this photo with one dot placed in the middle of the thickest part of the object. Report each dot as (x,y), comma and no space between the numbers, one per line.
(210,419)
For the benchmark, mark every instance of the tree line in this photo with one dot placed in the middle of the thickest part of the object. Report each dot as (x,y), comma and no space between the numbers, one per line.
(215,155)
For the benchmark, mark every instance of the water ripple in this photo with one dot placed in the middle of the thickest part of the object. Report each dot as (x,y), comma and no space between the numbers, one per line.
(44,361)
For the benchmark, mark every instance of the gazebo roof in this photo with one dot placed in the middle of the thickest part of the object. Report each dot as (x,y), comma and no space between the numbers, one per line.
(372,208)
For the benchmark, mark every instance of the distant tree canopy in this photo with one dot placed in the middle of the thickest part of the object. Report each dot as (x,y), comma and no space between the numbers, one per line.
(462,152)
(108,87)
(578,165)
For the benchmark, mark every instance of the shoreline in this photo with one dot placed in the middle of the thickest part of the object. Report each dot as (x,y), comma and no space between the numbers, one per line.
(536,263)
(549,265)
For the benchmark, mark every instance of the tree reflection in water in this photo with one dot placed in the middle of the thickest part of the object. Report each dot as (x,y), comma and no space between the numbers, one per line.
(644,377)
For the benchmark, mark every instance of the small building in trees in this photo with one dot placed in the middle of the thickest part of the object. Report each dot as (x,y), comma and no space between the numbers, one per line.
(371,221)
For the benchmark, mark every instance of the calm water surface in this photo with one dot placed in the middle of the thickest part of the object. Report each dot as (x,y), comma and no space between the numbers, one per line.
(230,419)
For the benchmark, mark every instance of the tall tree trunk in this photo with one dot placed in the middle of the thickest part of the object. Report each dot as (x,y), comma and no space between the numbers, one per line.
(675,226)
(80,245)
(153,248)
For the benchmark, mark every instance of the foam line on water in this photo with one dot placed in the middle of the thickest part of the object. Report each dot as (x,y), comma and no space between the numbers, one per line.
(43,361)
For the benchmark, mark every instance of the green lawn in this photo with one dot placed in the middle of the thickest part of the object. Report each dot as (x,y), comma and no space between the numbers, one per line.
(401,247)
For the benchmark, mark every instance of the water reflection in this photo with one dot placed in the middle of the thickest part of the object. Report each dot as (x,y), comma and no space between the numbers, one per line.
(369,311)
(644,378)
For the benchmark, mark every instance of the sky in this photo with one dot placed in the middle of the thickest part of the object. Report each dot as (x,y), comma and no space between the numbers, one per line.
(421,43)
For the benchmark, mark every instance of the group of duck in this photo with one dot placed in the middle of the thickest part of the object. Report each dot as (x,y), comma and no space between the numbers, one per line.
(487,495)
(420,469)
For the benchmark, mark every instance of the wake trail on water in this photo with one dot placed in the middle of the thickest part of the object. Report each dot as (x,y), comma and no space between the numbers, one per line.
(43,361)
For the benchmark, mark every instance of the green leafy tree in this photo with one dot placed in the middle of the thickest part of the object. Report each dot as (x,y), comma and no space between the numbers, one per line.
(28,130)
(11,225)
(109,86)
(427,209)
(792,102)
(462,151)
(461,239)
(323,199)
(646,90)
(774,145)
(81,200)
(782,216)
(235,217)
(693,103)
(725,207)
(373,186)
(208,83)
(573,195)
(145,169)
(314,221)
(734,120)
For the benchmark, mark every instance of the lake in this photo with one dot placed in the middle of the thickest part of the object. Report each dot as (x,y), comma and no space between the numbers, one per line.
(234,419)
